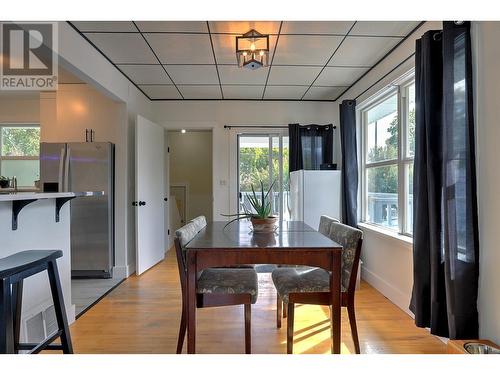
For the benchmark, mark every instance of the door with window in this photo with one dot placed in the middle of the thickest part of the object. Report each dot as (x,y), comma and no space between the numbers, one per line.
(264,158)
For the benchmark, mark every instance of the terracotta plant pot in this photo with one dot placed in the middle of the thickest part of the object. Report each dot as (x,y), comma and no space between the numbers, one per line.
(267,225)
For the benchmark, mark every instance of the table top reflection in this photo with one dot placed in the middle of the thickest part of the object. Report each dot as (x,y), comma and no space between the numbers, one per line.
(237,235)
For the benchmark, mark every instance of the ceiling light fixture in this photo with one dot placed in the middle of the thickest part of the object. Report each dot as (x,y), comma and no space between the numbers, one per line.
(183,131)
(252,50)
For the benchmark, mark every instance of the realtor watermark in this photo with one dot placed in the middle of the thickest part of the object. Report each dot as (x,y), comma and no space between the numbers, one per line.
(28,56)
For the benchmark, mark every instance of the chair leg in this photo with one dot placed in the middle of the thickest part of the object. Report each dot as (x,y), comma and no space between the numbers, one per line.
(6,326)
(248,328)
(60,309)
(289,331)
(279,311)
(182,328)
(17,302)
(354,330)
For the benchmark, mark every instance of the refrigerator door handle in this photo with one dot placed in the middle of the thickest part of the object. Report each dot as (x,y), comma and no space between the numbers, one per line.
(61,169)
(66,169)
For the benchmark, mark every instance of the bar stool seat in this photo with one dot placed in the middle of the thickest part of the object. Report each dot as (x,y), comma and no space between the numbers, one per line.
(13,270)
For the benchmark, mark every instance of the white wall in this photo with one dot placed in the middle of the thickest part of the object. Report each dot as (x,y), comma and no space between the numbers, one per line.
(486,54)
(387,259)
(19,108)
(215,114)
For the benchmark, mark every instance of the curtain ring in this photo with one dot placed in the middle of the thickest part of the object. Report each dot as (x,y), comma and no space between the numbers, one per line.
(437,36)
(459,23)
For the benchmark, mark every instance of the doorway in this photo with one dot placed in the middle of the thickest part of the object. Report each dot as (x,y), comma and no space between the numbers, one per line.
(264,158)
(178,211)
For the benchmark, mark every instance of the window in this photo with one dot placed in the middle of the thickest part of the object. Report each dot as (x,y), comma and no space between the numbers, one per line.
(19,153)
(388,133)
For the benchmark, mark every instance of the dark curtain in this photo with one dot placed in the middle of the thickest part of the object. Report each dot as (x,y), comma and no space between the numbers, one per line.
(349,162)
(445,229)
(310,146)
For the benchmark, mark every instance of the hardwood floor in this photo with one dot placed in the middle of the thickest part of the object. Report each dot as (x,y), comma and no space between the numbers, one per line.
(142,316)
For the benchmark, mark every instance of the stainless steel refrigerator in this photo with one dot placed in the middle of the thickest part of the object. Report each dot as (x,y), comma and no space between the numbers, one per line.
(79,167)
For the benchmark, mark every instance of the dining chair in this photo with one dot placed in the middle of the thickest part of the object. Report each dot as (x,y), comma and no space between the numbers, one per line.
(325,223)
(311,285)
(215,287)
(200,222)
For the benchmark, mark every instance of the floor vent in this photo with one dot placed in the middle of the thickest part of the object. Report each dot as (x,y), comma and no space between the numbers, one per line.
(41,325)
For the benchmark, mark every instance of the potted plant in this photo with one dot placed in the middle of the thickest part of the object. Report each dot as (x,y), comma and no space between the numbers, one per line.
(4,182)
(260,213)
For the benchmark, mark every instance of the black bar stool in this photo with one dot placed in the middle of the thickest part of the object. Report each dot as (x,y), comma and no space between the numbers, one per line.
(13,270)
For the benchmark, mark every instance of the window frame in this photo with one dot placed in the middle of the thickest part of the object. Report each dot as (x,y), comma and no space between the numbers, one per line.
(17,125)
(399,87)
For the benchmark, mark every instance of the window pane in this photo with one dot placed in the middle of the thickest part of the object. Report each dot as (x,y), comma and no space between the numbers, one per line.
(409,198)
(382,130)
(26,171)
(20,141)
(382,199)
(410,121)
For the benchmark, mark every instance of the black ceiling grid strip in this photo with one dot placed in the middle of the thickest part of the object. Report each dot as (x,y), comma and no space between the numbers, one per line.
(385,75)
(272,59)
(326,64)
(378,62)
(249,100)
(159,61)
(107,58)
(215,60)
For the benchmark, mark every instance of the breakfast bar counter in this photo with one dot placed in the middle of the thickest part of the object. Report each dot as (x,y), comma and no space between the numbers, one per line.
(39,221)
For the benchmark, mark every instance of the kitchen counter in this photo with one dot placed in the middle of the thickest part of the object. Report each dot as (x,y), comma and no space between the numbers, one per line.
(19,196)
(36,220)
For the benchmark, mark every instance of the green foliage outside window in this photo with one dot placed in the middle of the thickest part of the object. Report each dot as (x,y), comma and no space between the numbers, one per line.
(254,167)
(18,141)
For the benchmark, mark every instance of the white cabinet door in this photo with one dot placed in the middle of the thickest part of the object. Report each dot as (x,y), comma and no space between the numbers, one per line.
(150,194)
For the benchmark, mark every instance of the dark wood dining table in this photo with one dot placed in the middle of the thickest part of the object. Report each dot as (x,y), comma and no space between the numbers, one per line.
(293,243)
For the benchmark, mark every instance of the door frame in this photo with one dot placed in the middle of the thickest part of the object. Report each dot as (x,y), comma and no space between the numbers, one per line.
(185,185)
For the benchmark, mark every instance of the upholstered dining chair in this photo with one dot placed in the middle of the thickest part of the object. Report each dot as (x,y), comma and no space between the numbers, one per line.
(311,285)
(325,223)
(215,286)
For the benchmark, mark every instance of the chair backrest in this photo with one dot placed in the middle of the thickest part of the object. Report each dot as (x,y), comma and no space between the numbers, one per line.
(200,222)
(351,240)
(324,224)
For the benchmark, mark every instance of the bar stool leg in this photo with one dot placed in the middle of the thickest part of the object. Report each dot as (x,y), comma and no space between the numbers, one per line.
(6,321)
(17,302)
(60,309)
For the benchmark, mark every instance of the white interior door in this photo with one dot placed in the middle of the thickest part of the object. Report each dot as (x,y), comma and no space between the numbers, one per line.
(150,194)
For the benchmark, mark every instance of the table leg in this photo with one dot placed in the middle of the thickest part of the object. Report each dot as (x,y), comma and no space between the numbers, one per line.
(336,296)
(191,301)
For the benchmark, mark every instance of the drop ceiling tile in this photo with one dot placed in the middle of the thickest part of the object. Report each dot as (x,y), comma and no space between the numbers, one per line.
(161,91)
(293,75)
(193,74)
(123,48)
(146,74)
(316,27)
(305,49)
(284,92)
(225,48)
(339,76)
(234,75)
(182,48)
(242,92)
(383,28)
(362,51)
(241,27)
(324,92)
(173,26)
(107,26)
(200,92)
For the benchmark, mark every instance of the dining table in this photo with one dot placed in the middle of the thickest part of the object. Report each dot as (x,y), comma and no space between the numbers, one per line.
(293,243)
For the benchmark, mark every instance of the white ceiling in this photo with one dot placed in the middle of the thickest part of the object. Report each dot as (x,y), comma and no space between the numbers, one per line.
(310,60)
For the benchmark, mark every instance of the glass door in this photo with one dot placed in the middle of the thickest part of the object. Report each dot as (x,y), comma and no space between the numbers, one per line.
(264,158)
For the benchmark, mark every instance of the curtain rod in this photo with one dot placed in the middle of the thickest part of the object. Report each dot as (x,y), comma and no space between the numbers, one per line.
(261,127)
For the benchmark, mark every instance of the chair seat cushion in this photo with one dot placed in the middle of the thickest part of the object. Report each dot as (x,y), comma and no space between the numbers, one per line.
(300,280)
(228,281)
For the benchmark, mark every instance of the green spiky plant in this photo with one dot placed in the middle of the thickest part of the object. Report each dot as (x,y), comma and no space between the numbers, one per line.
(262,206)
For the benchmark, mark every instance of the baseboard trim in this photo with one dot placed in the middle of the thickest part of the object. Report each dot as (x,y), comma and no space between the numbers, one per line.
(122,272)
(396,296)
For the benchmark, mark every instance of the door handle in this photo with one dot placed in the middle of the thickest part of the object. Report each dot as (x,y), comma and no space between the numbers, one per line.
(142,203)
(165,199)
(134,203)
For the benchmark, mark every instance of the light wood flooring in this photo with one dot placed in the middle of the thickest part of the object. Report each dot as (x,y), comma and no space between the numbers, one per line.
(142,316)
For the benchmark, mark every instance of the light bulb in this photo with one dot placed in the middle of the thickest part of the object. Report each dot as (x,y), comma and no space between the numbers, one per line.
(183,131)
(252,47)
(261,53)
(244,53)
